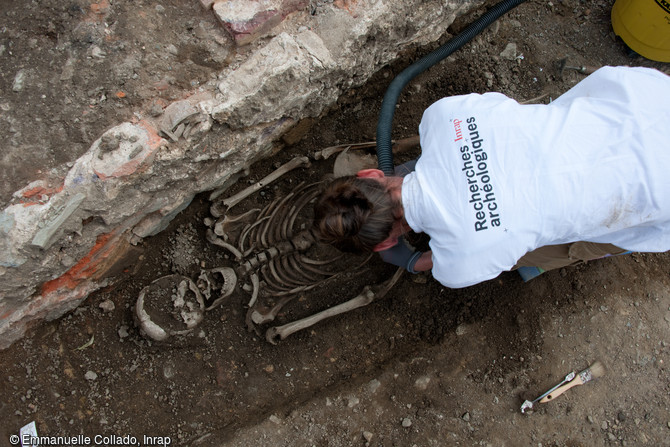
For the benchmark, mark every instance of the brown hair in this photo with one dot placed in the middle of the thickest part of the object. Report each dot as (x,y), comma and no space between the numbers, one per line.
(354,214)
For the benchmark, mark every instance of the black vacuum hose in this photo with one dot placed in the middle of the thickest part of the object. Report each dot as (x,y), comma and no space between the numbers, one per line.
(384,124)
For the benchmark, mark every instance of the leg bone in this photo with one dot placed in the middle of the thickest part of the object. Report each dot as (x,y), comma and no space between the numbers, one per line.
(368,295)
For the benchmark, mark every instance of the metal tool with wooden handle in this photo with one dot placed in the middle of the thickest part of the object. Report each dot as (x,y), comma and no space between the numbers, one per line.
(592,372)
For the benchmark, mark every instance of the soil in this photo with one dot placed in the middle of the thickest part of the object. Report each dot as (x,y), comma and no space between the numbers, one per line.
(424,366)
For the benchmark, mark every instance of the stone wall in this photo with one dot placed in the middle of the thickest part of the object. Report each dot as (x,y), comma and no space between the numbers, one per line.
(60,243)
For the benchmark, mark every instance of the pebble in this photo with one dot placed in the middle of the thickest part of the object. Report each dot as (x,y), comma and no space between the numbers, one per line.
(107,305)
(604,425)
(406,422)
(172,49)
(90,375)
(466,417)
(509,52)
(168,372)
(123,331)
(374,385)
(17,85)
(353,401)
(419,279)
(367,436)
(422,382)
(97,52)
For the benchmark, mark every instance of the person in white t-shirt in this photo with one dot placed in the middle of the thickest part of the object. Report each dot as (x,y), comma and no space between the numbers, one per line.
(500,185)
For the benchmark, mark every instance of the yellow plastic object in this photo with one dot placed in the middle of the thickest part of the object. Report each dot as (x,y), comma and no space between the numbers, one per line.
(644,25)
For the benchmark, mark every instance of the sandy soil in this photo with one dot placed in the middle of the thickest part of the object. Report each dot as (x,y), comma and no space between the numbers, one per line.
(423,366)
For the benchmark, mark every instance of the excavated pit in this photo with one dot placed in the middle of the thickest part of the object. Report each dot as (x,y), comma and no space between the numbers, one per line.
(425,365)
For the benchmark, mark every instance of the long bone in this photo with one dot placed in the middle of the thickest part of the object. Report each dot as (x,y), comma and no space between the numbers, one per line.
(368,295)
(398,146)
(258,314)
(283,169)
(255,283)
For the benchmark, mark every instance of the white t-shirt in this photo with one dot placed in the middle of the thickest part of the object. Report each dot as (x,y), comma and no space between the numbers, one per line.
(497,179)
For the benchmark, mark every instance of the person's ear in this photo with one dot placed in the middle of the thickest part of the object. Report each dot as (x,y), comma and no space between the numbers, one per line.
(370,173)
(388,243)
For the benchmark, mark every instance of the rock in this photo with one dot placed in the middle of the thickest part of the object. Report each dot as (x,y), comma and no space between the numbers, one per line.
(374,385)
(509,52)
(55,220)
(406,422)
(19,80)
(367,436)
(247,20)
(422,382)
(466,417)
(168,372)
(123,331)
(107,305)
(90,375)
(283,60)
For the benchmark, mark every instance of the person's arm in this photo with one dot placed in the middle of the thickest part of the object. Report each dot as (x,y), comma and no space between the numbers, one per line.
(403,255)
(425,262)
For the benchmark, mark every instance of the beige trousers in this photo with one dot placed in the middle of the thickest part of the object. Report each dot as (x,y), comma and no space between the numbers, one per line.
(552,257)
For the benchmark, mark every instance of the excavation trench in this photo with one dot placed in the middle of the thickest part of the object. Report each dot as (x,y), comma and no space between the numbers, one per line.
(456,363)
